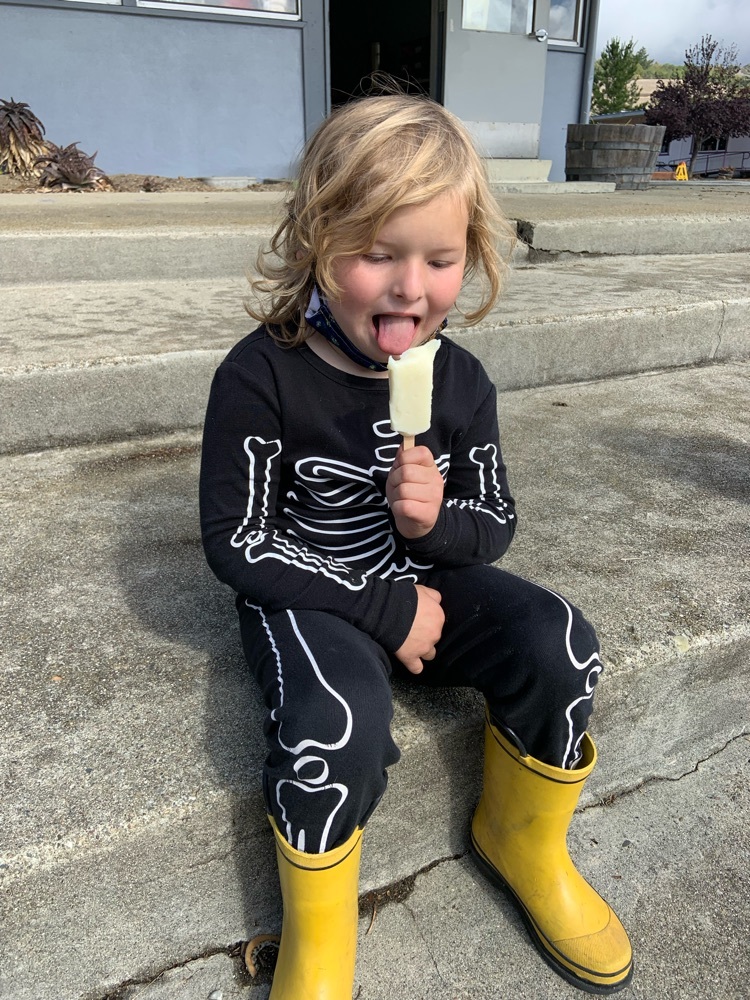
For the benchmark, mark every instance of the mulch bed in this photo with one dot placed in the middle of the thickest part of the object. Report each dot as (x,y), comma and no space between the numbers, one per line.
(135,183)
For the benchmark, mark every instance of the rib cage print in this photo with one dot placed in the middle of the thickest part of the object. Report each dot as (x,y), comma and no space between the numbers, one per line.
(335,513)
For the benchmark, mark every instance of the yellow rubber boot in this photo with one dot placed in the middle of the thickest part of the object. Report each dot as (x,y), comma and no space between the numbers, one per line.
(319,931)
(518,836)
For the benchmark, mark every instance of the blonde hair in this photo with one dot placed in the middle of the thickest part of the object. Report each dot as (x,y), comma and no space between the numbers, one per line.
(367,159)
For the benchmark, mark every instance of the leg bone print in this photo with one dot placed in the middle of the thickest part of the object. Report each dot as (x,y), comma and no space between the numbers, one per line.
(311,770)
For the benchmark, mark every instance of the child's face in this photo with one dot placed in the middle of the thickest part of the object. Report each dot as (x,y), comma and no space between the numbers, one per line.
(397,294)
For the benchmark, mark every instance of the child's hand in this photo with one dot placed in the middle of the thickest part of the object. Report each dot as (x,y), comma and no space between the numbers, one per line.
(425,631)
(414,489)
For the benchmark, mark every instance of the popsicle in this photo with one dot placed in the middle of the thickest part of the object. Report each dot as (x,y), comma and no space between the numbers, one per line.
(410,379)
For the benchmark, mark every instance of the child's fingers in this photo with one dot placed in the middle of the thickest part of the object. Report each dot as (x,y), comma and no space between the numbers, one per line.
(419,455)
(414,474)
(434,594)
(415,665)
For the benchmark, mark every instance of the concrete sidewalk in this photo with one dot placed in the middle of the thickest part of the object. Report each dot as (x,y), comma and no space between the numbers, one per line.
(134,836)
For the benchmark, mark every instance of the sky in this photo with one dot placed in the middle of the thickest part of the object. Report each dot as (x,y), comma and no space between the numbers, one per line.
(665,28)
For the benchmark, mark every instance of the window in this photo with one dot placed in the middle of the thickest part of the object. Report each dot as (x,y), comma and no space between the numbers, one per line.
(511,16)
(281,9)
(565,22)
(713,144)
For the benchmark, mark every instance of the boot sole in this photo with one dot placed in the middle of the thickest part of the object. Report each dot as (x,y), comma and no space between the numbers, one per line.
(537,938)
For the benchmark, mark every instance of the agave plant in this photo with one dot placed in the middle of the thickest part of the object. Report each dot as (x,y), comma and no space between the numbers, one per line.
(68,168)
(21,139)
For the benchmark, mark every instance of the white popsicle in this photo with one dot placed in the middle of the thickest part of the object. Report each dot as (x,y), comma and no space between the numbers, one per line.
(411,390)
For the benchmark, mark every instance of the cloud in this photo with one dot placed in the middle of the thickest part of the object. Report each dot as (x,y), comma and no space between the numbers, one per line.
(668,28)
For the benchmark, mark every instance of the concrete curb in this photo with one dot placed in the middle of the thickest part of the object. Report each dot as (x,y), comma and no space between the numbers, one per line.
(179,253)
(106,401)
(639,235)
(119,255)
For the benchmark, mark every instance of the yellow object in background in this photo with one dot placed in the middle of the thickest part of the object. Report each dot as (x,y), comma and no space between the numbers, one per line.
(681,173)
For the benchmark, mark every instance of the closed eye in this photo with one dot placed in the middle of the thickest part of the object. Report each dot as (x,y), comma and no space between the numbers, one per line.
(375,258)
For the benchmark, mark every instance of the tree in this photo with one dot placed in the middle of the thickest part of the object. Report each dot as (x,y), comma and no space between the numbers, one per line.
(711,98)
(615,71)
(643,64)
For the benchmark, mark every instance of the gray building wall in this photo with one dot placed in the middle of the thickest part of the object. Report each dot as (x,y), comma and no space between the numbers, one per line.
(681,149)
(159,95)
(562,100)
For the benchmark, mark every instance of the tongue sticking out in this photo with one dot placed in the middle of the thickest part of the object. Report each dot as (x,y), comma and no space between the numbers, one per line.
(395,333)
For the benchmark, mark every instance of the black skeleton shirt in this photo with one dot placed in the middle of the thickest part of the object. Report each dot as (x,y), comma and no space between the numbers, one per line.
(295,459)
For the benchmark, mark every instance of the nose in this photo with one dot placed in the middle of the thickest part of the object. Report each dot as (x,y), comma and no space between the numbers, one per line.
(409,284)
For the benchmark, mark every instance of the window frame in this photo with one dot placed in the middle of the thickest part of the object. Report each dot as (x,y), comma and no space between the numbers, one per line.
(531,13)
(579,28)
(182,9)
(215,8)
(716,141)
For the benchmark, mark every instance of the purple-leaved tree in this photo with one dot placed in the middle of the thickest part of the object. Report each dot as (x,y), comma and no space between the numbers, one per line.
(711,98)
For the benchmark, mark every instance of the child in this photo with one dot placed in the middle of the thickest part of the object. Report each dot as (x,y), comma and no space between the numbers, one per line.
(351,556)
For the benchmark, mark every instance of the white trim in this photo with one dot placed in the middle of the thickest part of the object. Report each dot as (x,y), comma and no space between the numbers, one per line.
(209,9)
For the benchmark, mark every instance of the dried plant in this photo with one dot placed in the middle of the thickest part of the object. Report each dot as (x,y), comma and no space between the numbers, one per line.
(21,139)
(68,168)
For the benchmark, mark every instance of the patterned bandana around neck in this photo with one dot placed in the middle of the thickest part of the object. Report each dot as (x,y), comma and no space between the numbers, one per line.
(320,318)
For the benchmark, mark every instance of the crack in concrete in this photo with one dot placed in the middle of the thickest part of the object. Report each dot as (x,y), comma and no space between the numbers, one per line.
(609,800)
(122,991)
(400,890)
(393,892)
(722,322)
(212,859)
(426,944)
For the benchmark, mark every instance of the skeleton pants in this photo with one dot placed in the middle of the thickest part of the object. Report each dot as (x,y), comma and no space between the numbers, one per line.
(326,686)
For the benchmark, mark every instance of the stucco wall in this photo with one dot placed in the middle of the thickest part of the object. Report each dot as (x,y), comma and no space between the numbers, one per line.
(159,95)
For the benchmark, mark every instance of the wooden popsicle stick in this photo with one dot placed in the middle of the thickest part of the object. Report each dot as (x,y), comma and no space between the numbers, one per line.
(408,441)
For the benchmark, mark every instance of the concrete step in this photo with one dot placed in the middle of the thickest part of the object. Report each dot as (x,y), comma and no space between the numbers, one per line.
(134,836)
(113,359)
(178,253)
(635,235)
(46,238)
(501,188)
(453,937)
(203,211)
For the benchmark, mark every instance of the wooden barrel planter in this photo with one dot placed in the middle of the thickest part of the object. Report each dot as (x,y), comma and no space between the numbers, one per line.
(625,154)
